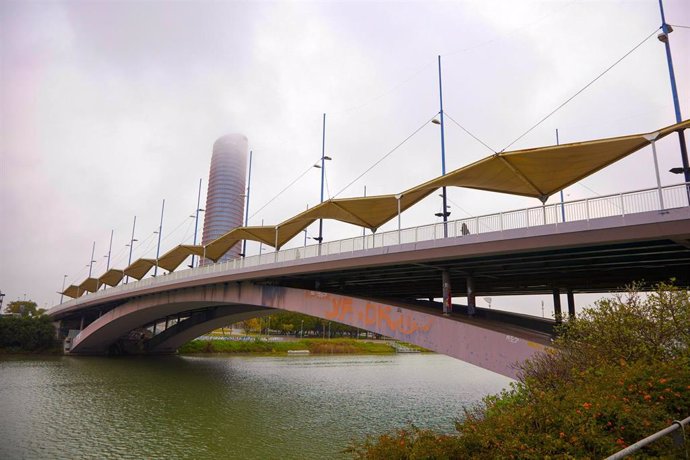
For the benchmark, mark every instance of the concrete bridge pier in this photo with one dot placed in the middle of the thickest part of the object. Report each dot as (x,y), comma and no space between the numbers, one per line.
(571,304)
(557,305)
(447,296)
(471,297)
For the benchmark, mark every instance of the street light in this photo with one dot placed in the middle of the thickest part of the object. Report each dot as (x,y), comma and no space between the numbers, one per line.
(160,232)
(323,171)
(246,208)
(64,278)
(443,148)
(131,245)
(93,250)
(664,38)
(196,219)
(444,213)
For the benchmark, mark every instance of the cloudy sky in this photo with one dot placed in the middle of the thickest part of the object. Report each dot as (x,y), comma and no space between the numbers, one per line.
(107,108)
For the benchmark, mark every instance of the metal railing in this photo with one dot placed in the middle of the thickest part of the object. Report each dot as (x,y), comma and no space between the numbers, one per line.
(621,204)
(676,430)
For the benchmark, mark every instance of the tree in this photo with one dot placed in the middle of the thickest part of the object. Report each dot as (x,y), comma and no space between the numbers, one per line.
(24,308)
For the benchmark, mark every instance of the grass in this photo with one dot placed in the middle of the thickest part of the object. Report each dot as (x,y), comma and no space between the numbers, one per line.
(315,346)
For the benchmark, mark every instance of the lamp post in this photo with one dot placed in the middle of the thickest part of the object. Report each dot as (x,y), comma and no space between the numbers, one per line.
(107,256)
(93,250)
(261,244)
(558,142)
(246,209)
(160,232)
(62,295)
(131,245)
(444,211)
(110,250)
(663,37)
(322,166)
(196,218)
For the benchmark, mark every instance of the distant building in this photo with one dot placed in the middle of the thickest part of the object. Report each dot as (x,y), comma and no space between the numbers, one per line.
(226,190)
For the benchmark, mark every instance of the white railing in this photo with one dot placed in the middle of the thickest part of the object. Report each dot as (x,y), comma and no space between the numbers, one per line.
(675,196)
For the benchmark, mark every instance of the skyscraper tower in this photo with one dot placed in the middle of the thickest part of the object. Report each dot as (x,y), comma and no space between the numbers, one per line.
(226,189)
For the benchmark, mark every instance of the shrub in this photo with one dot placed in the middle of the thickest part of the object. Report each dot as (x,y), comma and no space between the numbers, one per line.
(615,375)
(26,333)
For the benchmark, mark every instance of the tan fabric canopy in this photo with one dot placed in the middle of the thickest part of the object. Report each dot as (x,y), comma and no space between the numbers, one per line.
(544,171)
(370,212)
(536,173)
(220,246)
(73,291)
(173,258)
(90,284)
(112,277)
(140,268)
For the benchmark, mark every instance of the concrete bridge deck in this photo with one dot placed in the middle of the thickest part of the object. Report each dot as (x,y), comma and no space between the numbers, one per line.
(388,283)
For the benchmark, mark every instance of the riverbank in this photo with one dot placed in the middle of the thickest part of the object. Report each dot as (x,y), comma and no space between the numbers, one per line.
(314,346)
(27,335)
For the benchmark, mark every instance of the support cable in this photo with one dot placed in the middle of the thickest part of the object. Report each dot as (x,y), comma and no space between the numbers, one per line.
(469,133)
(282,191)
(384,156)
(581,90)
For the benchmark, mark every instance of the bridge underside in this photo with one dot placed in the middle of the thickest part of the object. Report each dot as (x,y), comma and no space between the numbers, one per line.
(192,312)
(590,269)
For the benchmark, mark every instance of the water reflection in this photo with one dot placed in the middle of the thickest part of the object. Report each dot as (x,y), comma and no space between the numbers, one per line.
(225,407)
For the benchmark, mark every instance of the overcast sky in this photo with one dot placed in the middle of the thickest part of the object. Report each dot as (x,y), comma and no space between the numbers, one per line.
(107,108)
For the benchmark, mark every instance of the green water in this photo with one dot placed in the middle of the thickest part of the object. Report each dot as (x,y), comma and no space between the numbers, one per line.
(306,407)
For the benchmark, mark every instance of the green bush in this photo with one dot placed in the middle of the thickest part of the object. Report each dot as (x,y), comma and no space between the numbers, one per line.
(19,334)
(615,375)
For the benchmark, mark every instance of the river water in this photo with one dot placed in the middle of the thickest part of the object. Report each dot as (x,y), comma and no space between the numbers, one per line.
(211,407)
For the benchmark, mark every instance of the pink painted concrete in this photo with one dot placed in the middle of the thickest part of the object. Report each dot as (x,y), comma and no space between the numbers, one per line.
(487,345)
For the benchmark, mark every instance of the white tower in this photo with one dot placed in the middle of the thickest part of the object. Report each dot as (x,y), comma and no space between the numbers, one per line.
(226,189)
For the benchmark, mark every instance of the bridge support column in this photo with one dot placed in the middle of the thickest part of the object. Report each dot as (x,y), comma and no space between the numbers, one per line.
(557,305)
(571,303)
(447,297)
(471,296)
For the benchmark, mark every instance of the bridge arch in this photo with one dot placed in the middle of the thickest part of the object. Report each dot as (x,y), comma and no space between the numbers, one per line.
(488,346)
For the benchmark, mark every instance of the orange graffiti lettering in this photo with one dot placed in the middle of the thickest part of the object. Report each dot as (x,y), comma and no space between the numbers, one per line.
(384,315)
(370,320)
(345,308)
(334,312)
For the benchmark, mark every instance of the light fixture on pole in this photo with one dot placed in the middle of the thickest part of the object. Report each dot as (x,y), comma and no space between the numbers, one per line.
(558,142)
(196,219)
(160,232)
(323,172)
(444,213)
(131,245)
(93,251)
(62,295)
(663,37)
(246,209)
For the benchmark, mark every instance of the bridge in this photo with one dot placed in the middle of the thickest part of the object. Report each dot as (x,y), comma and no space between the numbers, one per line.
(387,282)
